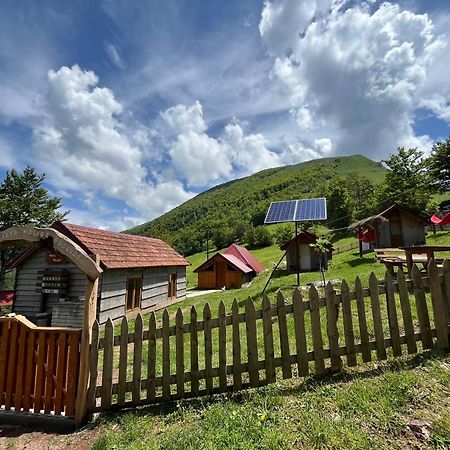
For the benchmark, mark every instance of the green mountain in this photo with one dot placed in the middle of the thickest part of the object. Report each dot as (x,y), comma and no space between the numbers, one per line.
(246,200)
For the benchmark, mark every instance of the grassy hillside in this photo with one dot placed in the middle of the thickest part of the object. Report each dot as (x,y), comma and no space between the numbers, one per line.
(247,199)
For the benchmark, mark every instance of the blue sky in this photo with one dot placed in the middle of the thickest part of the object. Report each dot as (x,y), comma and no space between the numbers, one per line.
(131,108)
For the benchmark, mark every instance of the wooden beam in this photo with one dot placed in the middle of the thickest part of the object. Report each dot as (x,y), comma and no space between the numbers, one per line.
(90,312)
(61,243)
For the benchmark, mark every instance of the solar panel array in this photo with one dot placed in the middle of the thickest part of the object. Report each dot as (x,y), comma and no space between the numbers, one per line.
(297,210)
(311,209)
(280,212)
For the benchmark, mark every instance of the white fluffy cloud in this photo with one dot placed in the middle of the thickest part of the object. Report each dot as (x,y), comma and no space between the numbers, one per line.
(201,159)
(82,140)
(359,71)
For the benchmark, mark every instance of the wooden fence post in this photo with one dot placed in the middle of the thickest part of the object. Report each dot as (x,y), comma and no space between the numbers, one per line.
(348,325)
(422,309)
(89,316)
(316,330)
(123,361)
(222,347)
(406,313)
(179,352)
(151,358)
(252,345)
(376,314)
(268,339)
(364,334)
(93,363)
(300,333)
(208,348)
(332,329)
(165,356)
(439,309)
(137,358)
(446,288)
(284,337)
(237,373)
(194,352)
(108,357)
(392,315)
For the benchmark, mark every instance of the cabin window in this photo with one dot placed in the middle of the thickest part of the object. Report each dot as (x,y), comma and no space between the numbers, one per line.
(134,293)
(209,268)
(230,268)
(172,288)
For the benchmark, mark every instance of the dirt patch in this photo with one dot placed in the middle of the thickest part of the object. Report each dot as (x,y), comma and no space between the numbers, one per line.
(14,438)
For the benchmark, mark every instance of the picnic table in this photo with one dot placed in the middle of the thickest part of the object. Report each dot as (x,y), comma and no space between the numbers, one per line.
(406,257)
(420,252)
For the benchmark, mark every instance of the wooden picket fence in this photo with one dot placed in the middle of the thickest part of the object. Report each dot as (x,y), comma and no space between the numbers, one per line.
(38,367)
(252,348)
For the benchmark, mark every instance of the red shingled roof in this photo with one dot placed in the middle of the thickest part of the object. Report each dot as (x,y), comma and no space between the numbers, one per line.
(245,256)
(120,251)
(237,263)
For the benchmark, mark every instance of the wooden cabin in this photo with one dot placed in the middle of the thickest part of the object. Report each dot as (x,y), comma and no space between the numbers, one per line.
(397,226)
(308,256)
(139,274)
(231,269)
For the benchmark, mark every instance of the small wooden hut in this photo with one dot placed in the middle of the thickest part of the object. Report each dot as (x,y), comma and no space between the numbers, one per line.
(231,269)
(308,256)
(138,274)
(396,226)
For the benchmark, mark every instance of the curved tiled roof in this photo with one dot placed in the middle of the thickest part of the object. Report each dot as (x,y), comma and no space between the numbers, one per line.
(119,250)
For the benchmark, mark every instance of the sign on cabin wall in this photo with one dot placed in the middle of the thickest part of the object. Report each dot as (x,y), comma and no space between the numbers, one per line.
(54,257)
(50,282)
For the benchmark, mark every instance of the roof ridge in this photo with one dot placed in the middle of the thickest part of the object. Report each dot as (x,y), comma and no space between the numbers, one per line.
(102,230)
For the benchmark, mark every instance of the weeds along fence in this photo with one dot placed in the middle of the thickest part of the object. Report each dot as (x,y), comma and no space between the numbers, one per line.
(249,347)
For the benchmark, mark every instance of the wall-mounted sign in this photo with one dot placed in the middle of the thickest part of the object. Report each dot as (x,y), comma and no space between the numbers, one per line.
(54,257)
(52,282)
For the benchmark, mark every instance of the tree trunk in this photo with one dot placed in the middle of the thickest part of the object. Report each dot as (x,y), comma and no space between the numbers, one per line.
(2,269)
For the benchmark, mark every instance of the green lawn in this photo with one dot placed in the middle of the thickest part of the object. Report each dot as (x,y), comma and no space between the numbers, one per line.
(364,407)
(373,407)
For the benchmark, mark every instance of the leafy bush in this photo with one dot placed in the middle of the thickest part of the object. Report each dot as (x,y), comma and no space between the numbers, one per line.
(283,233)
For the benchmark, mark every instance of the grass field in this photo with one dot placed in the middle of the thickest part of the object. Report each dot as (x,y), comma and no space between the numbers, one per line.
(373,405)
(397,405)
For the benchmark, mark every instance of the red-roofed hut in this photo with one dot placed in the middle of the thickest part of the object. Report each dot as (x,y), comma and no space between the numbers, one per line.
(231,269)
(139,274)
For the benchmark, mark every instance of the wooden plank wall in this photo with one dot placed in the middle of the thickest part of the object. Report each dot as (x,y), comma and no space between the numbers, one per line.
(154,289)
(38,367)
(256,344)
(28,301)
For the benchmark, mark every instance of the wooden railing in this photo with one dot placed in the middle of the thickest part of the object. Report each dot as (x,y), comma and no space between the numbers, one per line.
(252,348)
(38,367)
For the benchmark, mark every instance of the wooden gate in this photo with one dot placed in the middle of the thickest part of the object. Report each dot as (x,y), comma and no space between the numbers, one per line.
(38,367)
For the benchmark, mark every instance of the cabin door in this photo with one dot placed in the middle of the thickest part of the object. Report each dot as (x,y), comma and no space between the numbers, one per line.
(305,257)
(395,225)
(221,273)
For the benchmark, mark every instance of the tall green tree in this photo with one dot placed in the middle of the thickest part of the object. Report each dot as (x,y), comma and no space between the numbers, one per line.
(439,165)
(339,203)
(362,194)
(407,182)
(25,201)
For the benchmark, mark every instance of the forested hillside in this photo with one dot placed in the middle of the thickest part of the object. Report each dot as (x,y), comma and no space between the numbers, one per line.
(238,203)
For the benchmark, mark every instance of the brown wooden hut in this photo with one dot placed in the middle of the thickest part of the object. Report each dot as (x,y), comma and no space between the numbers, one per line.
(308,256)
(138,274)
(396,226)
(231,269)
